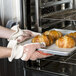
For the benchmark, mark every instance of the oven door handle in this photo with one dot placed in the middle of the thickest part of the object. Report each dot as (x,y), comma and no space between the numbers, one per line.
(11,23)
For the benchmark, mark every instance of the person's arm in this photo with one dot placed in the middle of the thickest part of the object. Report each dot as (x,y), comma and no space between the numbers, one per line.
(5,32)
(5,52)
(23,34)
(28,52)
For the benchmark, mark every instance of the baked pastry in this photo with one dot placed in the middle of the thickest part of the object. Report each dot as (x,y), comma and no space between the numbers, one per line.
(65,42)
(50,39)
(54,34)
(72,35)
(43,38)
(46,33)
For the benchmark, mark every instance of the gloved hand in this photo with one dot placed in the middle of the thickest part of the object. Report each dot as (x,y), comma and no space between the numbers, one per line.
(27,51)
(39,54)
(30,52)
(27,34)
(21,35)
(17,50)
(33,55)
(23,51)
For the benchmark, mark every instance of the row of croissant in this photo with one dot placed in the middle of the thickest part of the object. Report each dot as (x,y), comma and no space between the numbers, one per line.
(53,36)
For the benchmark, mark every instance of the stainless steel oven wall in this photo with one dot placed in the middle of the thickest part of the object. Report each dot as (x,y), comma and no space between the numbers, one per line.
(9,10)
(74,3)
(0,13)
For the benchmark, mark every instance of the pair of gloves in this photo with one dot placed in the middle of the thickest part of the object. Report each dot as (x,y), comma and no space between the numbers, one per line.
(26,51)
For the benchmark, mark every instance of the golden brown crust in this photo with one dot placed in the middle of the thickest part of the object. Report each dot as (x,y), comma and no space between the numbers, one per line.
(55,34)
(41,38)
(72,34)
(65,42)
(35,39)
(50,39)
(46,40)
(46,32)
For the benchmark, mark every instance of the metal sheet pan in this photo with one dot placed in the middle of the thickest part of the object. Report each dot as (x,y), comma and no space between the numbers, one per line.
(53,49)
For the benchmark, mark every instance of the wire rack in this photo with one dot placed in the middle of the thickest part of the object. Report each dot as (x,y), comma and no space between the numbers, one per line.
(66,15)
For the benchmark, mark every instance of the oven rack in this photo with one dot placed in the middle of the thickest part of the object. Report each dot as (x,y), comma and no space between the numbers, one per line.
(53,3)
(69,15)
(51,23)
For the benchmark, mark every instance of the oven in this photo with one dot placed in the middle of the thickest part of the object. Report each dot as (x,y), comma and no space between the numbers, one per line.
(48,14)
(41,15)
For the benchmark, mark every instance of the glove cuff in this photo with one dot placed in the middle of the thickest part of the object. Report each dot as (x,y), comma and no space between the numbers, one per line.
(16,34)
(17,50)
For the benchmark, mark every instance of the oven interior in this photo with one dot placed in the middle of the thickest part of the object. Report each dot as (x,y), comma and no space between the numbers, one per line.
(50,14)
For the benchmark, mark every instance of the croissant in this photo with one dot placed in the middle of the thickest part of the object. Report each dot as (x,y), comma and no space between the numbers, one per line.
(54,34)
(46,33)
(43,38)
(72,35)
(65,42)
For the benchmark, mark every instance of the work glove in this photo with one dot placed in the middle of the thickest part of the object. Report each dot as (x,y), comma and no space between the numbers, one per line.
(29,49)
(21,35)
(26,51)
(23,52)
(39,55)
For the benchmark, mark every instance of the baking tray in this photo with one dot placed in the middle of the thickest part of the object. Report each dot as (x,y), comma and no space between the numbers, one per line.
(53,49)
